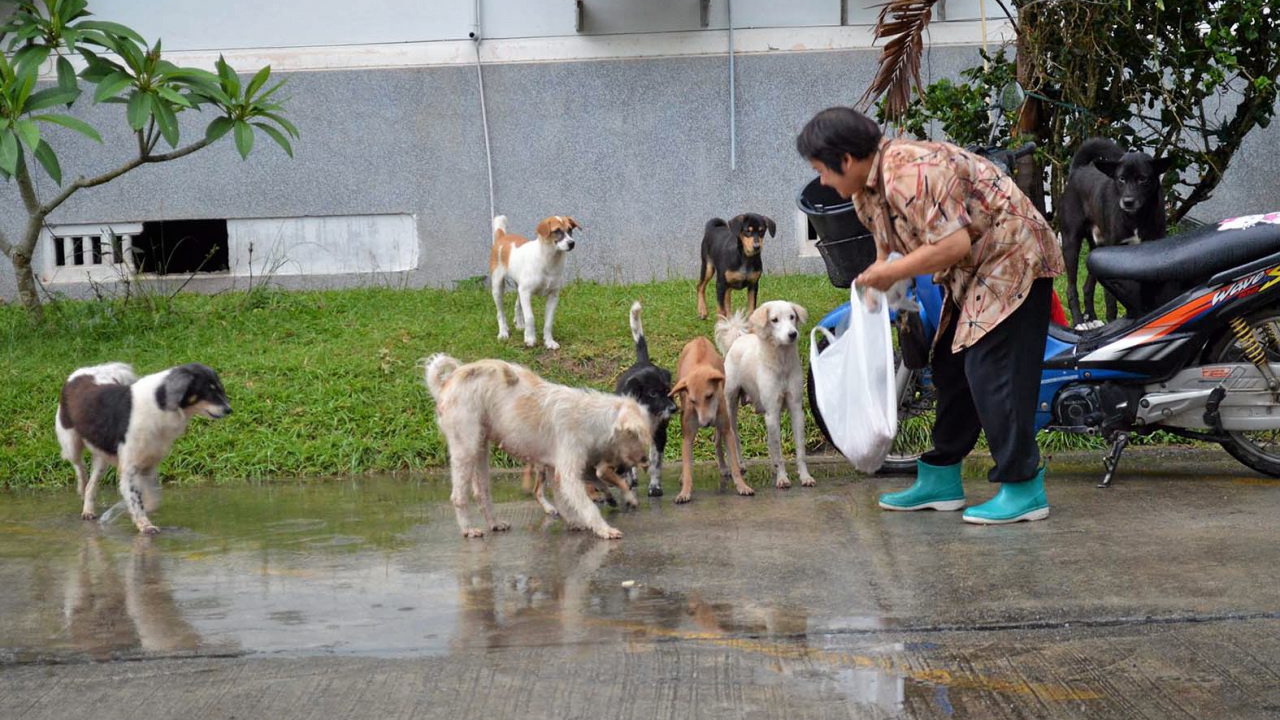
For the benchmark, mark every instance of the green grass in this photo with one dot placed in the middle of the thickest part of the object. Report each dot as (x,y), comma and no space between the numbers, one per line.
(327,383)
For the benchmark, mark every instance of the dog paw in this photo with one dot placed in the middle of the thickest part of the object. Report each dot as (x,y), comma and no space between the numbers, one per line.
(552,345)
(1090,325)
(609,533)
(745,490)
(782,483)
(148,529)
(808,481)
(500,526)
(88,516)
(530,343)
(473,533)
(503,334)
(683,498)
(630,501)
(655,491)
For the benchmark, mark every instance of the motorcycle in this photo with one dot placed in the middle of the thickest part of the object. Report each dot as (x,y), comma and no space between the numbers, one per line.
(1197,356)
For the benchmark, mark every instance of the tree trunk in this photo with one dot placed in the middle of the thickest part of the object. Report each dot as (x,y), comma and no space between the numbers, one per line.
(27,290)
(1032,119)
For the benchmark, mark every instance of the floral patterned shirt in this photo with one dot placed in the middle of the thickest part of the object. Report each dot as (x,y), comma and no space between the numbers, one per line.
(931,190)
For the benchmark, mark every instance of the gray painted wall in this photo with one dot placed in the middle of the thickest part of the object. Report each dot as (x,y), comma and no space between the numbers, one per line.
(636,150)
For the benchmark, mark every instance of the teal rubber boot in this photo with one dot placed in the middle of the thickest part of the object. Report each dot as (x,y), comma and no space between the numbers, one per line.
(936,488)
(1014,503)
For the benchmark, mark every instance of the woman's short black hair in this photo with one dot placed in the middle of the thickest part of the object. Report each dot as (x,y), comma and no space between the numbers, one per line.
(836,131)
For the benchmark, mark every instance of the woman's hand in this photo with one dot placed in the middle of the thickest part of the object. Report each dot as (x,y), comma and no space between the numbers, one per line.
(881,275)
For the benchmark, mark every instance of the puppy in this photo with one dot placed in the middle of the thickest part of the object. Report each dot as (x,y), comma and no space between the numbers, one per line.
(731,254)
(1112,197)
(536,268)
(762,368)
(597,482)
(700,387)
(131,424)
(650,385)
(571,430)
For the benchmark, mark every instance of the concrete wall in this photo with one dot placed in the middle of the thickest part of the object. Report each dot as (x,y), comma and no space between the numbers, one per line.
(636,149)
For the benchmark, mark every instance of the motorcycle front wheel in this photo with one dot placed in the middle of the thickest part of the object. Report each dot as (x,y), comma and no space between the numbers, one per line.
(916,405)
(1259,449)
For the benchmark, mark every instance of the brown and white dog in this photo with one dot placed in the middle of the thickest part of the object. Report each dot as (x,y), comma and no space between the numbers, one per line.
(700,388)
(536,268)
(131,424)
(762,369)
(542,423)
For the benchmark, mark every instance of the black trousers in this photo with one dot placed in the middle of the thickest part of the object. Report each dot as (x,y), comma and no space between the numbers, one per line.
(993,385)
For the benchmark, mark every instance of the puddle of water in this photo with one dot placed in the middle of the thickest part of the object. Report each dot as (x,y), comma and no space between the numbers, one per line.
(373,566)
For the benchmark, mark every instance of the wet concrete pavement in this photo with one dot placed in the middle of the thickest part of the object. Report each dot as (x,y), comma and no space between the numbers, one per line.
(1158,598)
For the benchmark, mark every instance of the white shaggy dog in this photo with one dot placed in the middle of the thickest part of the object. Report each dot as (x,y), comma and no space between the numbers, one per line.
(537,268)
(572,430)
(762,368)
(131,424)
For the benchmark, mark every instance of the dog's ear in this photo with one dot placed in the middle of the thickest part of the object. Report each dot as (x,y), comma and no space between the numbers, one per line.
(1107,167)
(544,228)
(769,223)
(573,224)
(682,386)
(1162,165)
(715,377)
(172,393)
(735,226)
(759,319)
(802,315)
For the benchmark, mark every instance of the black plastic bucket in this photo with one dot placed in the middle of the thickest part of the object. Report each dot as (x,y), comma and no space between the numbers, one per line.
(845,244)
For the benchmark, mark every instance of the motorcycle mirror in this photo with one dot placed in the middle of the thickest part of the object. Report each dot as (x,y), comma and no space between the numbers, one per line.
(1012,97)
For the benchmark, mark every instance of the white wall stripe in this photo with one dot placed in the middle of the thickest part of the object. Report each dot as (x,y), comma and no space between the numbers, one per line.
(444,53)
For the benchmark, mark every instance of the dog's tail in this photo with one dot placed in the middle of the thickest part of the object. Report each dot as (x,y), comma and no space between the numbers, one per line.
(637,334)
(729,329)
(1095,149)
(439,368)
(499,227)
(714,223)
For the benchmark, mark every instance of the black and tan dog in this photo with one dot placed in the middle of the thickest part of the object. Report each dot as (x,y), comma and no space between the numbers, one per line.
(731,254)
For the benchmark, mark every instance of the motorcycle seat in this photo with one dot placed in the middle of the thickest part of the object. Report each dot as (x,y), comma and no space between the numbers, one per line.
(1192,255)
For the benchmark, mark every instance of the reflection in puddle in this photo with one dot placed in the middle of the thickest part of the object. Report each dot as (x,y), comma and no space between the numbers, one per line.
(358,574)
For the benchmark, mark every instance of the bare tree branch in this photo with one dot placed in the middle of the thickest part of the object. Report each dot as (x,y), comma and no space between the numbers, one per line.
(83,182)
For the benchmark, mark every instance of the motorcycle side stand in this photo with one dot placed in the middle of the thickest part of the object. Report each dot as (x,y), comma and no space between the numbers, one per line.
(1111,461)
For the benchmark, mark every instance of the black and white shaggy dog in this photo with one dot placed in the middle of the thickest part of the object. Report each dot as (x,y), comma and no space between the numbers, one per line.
(131,423)
(731,254)
(650,385)
(1112,197)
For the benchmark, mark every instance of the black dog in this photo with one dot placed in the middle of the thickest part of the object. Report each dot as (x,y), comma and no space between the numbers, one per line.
(650,385)
(731,254)
(1112,197)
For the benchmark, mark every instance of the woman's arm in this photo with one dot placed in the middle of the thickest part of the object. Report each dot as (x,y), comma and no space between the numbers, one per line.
(925,259)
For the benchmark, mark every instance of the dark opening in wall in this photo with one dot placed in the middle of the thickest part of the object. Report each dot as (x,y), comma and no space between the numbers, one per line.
(169,247)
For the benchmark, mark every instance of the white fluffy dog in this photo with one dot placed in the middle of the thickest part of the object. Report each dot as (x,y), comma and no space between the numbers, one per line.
(762,368)
(572,430)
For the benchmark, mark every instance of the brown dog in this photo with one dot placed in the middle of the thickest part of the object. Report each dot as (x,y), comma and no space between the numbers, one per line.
(700,390)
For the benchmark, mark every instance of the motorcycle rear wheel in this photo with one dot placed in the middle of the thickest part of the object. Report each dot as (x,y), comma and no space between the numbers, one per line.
(1258,449)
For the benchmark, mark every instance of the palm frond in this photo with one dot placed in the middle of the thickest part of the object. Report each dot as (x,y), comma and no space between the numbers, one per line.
(904,23)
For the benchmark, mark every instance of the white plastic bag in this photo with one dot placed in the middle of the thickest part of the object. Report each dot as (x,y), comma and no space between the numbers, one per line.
(853,381)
